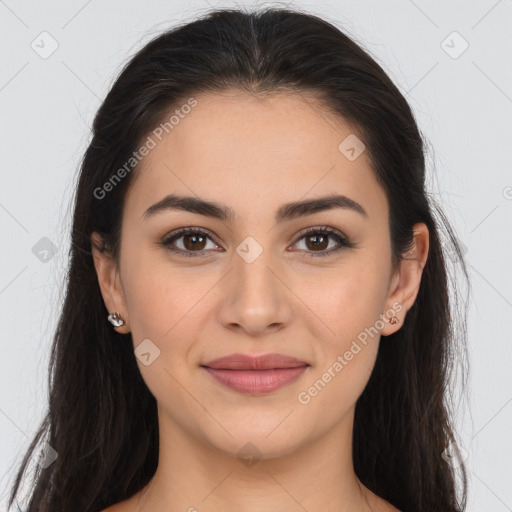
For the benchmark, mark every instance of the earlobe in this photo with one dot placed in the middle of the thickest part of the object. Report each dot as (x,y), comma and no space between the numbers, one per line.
(406,282)
(110,286)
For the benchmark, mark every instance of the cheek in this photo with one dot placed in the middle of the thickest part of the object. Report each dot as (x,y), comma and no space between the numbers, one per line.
(347,355)
(165,308)
(348,300)
(349,304)
(152,308)
(161,298)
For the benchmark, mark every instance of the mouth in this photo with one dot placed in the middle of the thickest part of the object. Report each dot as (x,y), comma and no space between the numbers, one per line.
(255,375)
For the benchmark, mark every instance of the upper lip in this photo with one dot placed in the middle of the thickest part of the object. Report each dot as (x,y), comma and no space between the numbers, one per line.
(247,362)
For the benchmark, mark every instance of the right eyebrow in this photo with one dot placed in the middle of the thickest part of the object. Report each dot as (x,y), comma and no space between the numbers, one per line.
(222,212)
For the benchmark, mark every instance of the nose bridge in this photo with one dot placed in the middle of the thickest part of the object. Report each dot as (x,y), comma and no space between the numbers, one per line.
(255,298)
(252,269)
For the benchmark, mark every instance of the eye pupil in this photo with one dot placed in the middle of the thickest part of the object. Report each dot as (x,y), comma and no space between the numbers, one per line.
(186,238)
(320,245)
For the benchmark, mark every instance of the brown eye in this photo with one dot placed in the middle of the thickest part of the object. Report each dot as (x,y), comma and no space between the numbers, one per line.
(317,241)
(193,242)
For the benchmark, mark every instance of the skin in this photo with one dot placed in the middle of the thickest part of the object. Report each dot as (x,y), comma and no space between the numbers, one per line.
(254,155)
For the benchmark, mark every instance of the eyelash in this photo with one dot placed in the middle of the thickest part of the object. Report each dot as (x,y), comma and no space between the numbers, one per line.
(324,230)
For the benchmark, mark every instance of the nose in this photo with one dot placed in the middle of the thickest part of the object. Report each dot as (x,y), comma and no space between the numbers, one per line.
(256,299)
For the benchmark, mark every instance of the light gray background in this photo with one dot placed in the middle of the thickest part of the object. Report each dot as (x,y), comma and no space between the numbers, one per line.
(463,106)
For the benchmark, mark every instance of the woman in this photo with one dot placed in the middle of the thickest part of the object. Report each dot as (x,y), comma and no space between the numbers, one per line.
(251,218)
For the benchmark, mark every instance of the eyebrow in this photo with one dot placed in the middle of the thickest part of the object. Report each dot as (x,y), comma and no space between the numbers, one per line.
(222,212)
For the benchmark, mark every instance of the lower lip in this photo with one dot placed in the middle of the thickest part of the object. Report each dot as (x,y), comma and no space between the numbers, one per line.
(256,382)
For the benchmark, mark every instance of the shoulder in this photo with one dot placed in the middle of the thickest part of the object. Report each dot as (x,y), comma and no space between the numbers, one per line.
(389,508)
(127,505)
(380,504)
(122,506)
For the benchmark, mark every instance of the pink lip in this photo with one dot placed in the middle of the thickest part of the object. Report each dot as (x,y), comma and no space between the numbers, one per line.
(256,375)
(247,362)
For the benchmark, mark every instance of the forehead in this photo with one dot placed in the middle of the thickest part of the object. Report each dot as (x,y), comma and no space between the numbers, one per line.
(253,152)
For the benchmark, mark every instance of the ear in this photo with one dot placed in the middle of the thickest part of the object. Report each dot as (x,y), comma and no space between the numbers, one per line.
(406,281)
(109,282)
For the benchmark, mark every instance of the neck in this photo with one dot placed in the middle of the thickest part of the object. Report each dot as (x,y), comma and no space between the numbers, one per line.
(193,475)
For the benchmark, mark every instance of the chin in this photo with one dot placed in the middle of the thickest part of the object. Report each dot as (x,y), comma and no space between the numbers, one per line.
(258,440)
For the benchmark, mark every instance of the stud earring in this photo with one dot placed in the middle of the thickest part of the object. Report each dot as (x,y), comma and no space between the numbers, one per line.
(394,320)
(115,319)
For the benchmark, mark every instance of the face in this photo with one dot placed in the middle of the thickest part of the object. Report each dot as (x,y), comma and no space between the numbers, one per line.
(255,283)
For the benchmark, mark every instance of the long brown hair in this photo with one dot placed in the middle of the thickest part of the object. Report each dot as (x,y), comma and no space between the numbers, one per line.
(102,419)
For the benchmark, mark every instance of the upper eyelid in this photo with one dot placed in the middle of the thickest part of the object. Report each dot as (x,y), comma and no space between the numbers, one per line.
(178,233)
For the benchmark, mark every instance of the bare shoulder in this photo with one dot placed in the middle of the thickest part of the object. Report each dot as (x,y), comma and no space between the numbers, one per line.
(387,507)
(381,505)
(122,506)
(128,505)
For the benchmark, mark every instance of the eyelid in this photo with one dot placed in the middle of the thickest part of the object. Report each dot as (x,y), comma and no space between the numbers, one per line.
(178,233)
(317,229)
(343,241)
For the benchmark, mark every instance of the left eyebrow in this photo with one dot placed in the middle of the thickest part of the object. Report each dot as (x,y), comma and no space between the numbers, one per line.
(222,212)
